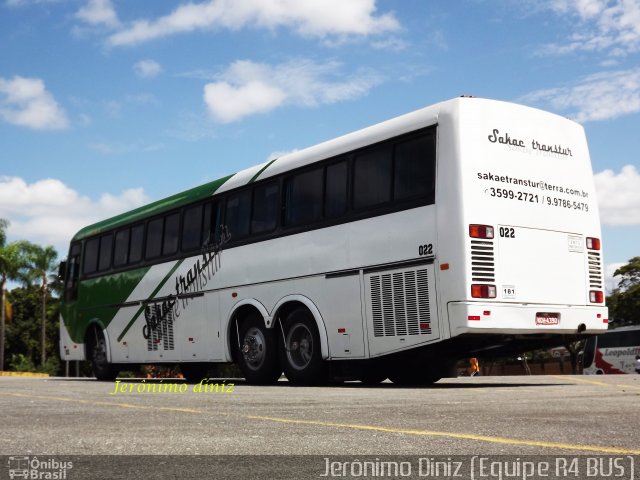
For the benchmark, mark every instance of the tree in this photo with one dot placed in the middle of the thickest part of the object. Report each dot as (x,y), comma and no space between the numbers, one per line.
(624,302)
(41,269)
(11,268)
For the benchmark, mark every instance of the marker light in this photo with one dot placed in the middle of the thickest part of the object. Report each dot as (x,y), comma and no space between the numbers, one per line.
(483,291)
(596,296)
(480,231)
(593,243)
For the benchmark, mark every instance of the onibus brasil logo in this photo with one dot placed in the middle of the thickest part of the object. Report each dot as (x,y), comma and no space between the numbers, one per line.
(33,468)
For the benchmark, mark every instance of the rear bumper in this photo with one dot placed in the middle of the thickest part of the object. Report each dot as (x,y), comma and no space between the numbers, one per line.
(510,318)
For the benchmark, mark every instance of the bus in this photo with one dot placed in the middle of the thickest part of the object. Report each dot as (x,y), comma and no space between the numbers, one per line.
(615,352)
(463,229)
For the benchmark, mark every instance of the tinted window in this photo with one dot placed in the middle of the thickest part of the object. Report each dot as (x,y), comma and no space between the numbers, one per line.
(121,248)
(106,244)
(171,229)
(154,238)
(303,198)
(265,208)
(629,338)
(73,271)
(90,261)
(414,168)
(192,228)
(237,214)
(372,178)
(135,250)
(335,202)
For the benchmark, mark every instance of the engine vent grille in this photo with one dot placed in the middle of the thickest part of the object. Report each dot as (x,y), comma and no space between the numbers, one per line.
(400,304)
(482,261)
(595,269)
(159,327)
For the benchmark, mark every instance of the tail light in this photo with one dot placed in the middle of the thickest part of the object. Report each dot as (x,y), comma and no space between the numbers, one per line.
(596,296)
(480,231)
(483,291)
(593,243)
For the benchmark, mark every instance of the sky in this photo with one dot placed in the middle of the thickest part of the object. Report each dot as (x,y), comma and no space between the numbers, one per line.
(106,105)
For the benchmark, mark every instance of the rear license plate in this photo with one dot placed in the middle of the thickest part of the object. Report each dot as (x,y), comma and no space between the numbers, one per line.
(547,318)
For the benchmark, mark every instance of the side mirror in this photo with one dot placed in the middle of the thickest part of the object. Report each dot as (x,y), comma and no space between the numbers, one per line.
(62,268)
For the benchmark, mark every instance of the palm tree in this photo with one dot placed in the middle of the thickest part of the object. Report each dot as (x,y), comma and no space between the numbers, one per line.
(41,265)
(11,266)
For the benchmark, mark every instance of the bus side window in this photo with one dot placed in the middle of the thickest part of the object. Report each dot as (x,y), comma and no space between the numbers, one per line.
(192,228)
(90,260)
(265,208)
(106,244)
(335,202)
(135,246)
(171,229)
(73,271)
(414,168)
(154,238)
(372,177)
(303,198)
(212,223)
(237,214)
(121,249)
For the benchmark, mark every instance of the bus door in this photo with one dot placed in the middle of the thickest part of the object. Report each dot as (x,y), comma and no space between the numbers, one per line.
(400,308)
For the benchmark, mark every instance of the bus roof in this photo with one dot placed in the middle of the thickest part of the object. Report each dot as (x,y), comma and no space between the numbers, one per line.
(180,199)
(396,126)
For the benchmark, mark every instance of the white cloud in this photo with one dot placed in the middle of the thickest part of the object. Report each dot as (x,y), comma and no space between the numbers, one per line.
(50,212)
(247,87)
(308,18)
(602,25)
(27,103)
(619,196)
(600,96)
(147,68)
(98,13)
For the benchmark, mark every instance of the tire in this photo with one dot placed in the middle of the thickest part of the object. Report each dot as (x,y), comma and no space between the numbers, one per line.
(300,354)
(258,355)
(195,372)
(97,355)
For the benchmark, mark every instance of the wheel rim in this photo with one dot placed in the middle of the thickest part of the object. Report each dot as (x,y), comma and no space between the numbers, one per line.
(299,346)
(254,348)
(100,353)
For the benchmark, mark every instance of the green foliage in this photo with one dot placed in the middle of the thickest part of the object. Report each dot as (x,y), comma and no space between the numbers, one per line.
(624,302)
(23,332)
(21,363)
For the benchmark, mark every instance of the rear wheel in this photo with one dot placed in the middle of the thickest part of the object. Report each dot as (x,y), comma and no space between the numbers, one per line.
(258,356)
(301,357)
(97,354)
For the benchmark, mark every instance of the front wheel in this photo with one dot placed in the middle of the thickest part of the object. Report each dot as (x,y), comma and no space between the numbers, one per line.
(97,355)
(258,357)
(300,356)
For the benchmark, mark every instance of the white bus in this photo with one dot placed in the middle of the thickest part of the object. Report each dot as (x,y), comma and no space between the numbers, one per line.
(462,229)
(615,352)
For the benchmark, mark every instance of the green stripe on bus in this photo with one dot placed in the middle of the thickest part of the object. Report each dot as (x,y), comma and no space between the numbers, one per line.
(253,179)
(153,294)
